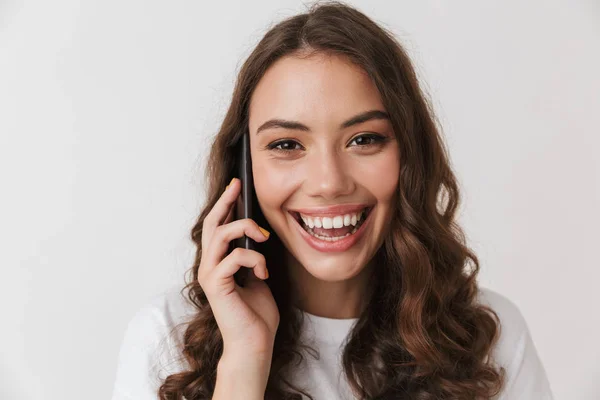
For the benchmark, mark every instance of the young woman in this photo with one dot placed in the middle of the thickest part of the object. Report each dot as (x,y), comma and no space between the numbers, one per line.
(359,286)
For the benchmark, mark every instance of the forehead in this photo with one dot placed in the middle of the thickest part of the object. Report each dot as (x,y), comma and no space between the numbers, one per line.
(318,89)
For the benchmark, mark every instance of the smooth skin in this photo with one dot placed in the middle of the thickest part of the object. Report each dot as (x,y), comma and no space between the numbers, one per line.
(323,165)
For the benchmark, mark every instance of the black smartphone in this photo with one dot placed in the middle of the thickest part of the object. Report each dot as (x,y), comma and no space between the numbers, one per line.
(244,206)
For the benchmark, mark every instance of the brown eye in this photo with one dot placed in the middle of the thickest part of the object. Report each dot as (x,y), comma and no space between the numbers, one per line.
(285,145)
(369,139)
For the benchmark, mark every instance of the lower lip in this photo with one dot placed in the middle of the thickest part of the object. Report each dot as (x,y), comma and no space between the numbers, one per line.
(339,245)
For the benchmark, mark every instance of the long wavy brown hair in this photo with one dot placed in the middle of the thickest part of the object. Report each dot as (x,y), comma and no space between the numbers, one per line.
(422,335)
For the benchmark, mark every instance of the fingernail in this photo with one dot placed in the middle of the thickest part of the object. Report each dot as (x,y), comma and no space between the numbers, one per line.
(267,274)
(226,187)
(264,231)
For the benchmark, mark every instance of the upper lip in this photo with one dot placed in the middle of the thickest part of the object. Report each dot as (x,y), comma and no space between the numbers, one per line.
(331,211)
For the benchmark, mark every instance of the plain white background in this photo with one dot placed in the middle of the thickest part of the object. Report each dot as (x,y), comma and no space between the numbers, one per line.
(107,109)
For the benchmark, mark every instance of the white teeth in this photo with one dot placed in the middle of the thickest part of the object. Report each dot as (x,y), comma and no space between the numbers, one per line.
(329,238)
(347,220)
(333,222)
(338,222)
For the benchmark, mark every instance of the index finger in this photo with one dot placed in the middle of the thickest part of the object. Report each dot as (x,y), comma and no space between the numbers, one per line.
(221,209)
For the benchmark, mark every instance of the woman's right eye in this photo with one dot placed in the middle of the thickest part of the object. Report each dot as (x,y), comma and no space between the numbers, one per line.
(283,146)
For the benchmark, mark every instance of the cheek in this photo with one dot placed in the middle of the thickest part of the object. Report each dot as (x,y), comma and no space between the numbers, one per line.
(266,179)
(380,175)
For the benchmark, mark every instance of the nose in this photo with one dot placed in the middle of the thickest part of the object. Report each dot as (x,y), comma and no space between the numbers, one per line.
(328,176)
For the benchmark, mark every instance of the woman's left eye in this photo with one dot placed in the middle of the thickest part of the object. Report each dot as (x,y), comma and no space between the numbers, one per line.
(374,139)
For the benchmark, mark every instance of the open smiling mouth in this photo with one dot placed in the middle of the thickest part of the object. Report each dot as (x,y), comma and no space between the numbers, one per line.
(335,228)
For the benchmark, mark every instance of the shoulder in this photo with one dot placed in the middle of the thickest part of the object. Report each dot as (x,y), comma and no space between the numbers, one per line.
(151,346)
(525,376)
(512,323)
(168,309)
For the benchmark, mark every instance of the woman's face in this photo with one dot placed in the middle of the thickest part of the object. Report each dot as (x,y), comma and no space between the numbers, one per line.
(318,160)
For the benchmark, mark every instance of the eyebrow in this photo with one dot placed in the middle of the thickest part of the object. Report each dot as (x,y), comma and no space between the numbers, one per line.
(357,119)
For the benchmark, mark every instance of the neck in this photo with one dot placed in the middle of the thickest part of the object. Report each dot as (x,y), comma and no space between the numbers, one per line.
(330,299)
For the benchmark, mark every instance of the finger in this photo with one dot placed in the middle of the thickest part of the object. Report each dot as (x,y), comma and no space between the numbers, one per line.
(224,234)
(229,217)
(220,280)
(227,220)
(239,258)
(219,211)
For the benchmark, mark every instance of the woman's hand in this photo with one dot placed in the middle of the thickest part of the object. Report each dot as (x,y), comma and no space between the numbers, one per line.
(248,316)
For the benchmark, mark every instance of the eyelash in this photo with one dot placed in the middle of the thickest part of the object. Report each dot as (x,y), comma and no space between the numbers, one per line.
(377,139)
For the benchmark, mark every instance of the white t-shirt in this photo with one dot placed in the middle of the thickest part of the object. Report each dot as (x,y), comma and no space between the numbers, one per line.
(149,352)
